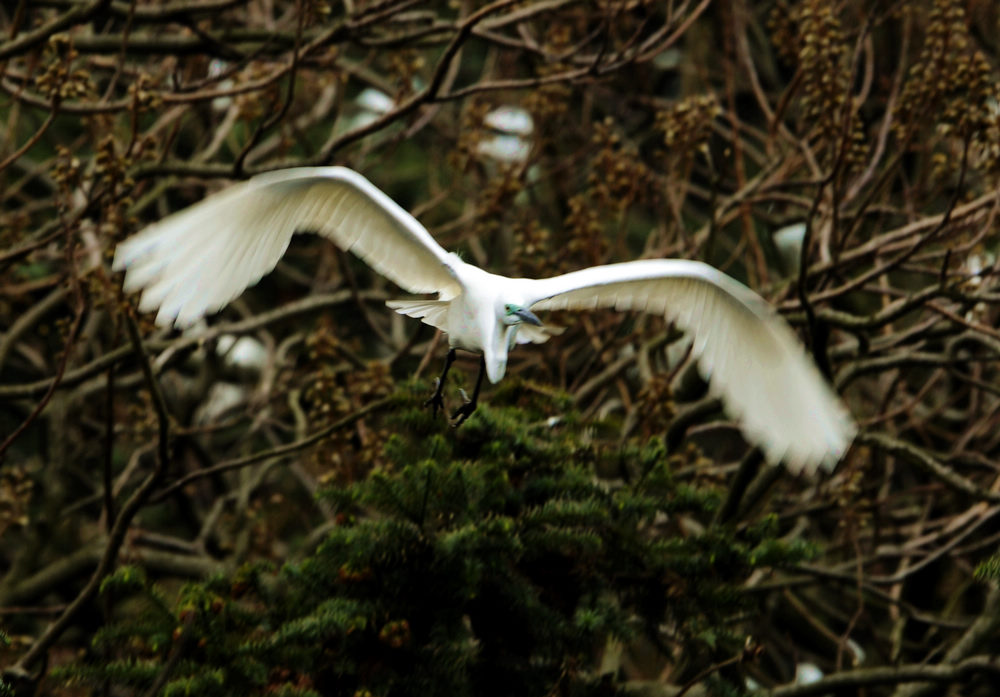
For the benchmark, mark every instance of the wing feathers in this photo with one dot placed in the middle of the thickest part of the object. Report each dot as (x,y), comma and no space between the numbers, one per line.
(199,259)
(432,312)
(751,357)
(530,334)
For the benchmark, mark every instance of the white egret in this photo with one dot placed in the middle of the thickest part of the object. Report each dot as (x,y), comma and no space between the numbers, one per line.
(196,261)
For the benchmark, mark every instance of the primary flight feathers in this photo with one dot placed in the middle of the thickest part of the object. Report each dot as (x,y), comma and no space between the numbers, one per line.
(194,262)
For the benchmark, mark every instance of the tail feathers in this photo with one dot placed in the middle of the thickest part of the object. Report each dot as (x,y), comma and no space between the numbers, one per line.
(432,312)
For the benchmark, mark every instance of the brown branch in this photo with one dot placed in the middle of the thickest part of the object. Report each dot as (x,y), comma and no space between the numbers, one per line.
(277,452)
(33,140)
(116,537)
(53,384)
(929,463)
(860,678)
(64,20)
(99,365)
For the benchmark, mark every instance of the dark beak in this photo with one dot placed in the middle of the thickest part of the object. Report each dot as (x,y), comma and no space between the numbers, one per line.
(528,316)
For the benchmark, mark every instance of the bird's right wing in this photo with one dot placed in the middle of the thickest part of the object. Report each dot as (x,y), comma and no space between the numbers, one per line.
(196,261)
(750,356)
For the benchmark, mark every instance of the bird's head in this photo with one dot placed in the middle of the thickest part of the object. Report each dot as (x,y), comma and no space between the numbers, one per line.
(515,314)
(510,317)
(503,335)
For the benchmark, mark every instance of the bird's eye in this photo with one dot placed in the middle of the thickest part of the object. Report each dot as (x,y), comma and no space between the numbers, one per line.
(509,309)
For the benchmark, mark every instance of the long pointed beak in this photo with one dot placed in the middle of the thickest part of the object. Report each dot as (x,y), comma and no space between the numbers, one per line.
(528,316)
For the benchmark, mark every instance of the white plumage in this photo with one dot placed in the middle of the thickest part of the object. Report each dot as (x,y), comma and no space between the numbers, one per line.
(196,261)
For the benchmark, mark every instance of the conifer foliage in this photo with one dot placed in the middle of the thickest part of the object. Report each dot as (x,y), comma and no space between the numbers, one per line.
(492,563)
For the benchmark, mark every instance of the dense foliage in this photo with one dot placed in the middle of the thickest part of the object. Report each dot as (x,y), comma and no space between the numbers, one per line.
(491,563)
(261,505)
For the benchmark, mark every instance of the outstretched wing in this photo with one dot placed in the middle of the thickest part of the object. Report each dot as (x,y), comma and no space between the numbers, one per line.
(750,356)
(195,261)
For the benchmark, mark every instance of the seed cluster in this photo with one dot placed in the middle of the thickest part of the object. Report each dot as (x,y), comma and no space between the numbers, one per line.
(59,81)
(618,177)
(810,36)
(16,487)
(656,405)
(686,127)
(334,388)
(950,80)
(531,255)
(952,87)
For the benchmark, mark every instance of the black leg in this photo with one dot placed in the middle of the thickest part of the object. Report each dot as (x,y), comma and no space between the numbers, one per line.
(463,412)
(437,399)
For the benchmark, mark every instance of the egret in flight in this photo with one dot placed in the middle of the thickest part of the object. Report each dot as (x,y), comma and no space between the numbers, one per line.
(197,260)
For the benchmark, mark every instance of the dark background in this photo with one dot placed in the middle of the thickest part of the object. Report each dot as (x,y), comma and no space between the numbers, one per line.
(598,526)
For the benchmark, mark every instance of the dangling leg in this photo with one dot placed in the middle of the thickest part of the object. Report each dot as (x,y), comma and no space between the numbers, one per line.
(464,411)
(437,399)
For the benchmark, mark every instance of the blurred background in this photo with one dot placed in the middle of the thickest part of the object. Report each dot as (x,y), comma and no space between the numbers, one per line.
(260,504)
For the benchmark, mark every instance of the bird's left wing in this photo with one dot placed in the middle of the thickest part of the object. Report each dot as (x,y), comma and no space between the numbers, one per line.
(750,356)
(196,261)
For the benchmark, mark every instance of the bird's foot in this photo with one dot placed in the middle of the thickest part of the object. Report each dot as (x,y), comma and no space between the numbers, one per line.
(464,411)
(436,402)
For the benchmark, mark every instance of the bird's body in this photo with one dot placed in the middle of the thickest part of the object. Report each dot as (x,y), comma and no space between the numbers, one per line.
(470,328)
(196,261)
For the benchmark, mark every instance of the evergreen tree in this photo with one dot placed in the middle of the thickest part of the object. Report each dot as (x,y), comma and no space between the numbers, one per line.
(486,561)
